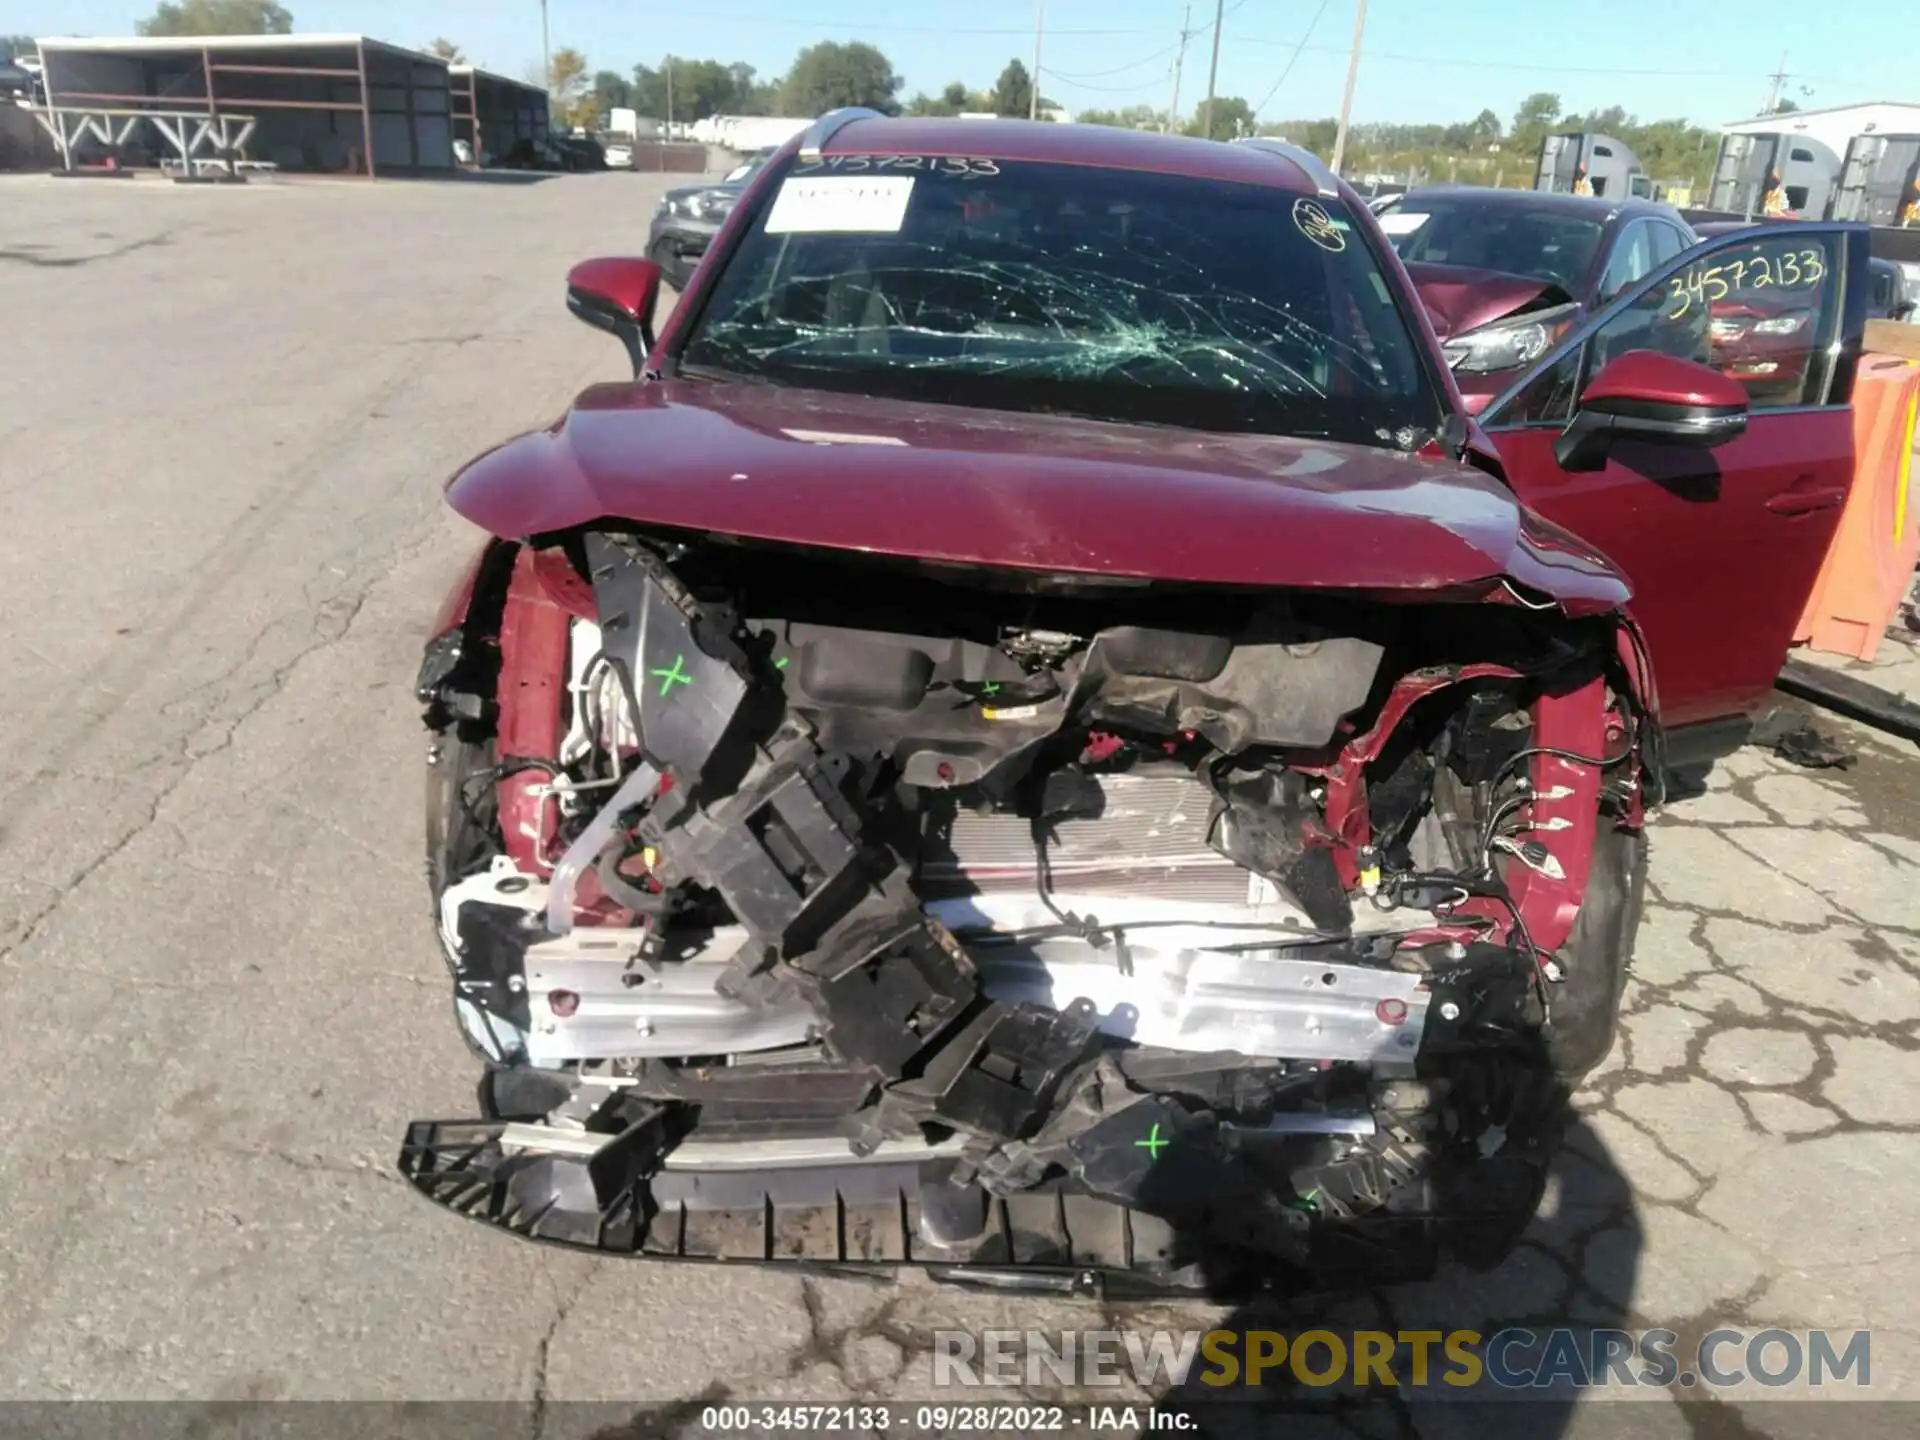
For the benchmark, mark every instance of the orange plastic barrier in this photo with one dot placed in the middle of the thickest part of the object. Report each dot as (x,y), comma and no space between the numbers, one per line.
(1870,563)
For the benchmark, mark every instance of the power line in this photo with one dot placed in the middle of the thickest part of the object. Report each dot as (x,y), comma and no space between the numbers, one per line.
(841,26)
(1039,28)
(1462,64)
(1292,60)
(1229,12)
(1346,95)
(1220,13)
(1179,67)
(1141,88)
(1779,78)
(1074,80)
(1213,70)
(1117,70)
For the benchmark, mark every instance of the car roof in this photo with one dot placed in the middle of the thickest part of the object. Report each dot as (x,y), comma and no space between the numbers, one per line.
(1103,146)
(1595,207)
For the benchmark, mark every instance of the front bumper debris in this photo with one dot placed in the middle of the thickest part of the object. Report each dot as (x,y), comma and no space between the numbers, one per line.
(870,1217)
(1133,1195)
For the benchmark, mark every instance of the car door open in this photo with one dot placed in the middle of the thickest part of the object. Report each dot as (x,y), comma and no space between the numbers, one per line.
(1698,432)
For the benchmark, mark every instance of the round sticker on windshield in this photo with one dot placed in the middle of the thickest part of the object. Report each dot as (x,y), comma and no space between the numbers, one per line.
(1314,222)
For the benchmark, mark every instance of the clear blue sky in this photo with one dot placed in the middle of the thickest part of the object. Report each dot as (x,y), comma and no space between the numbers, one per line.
(1426,60)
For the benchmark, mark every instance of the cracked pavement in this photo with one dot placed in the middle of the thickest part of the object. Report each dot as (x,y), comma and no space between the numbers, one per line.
(220,460)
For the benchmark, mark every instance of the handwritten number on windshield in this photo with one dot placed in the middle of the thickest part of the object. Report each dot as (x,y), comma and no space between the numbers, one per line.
(956,165)
(1703,284)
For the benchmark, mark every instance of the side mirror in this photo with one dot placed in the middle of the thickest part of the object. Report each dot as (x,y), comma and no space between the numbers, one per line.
(617,295)
(1653,398)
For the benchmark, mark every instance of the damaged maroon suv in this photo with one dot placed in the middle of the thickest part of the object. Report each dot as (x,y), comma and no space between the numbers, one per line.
(1035,738)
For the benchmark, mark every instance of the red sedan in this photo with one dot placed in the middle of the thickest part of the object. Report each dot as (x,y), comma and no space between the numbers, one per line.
(1506,273)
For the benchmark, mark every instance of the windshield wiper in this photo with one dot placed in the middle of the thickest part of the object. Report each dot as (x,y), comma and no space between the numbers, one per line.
(716,374)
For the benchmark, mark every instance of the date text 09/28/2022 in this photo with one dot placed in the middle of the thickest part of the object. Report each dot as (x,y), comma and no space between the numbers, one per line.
(940,1419)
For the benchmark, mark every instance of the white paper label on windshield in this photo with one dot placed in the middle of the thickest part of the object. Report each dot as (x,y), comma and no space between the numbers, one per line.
(837,437)
(1402,222)
(845,204)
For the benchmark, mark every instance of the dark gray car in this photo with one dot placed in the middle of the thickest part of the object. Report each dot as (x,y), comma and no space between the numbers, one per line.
(690,215)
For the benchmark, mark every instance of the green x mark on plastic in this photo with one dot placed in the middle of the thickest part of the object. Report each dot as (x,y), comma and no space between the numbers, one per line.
(992,687)
(677,675)
(1153,1144)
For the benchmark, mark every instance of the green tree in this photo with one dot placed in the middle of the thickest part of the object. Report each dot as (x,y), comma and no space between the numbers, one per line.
(1671,151)
(747,94)
(950,101)
(217,17)
(706,87)
(1536,112)
(1531,122)
(1784,106)
(700,88)
(611,90)
(1674,152)
(11,45)
(567,86)
(1133,117)
(1229,118)
(1319,135)
(1013,91)
(446,50)
(830,75)
(649,90)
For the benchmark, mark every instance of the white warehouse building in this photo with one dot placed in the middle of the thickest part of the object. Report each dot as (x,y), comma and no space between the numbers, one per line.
(1835,127)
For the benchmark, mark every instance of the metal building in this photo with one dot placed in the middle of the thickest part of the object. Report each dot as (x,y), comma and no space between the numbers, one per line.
(1836,126)
(495,115)
(1833,162)
(340,104)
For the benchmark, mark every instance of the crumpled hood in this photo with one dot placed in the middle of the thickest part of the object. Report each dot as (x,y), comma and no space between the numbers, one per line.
(1459,299)
(1032,492)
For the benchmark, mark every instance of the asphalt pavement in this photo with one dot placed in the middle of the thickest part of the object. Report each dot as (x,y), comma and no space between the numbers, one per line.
(225,417)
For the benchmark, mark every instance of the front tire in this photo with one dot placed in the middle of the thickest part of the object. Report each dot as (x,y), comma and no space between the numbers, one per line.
(459,811)
(1586,1003)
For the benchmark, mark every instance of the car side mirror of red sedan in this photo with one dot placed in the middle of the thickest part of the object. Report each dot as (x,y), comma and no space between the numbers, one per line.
(1655,399)
(617,294)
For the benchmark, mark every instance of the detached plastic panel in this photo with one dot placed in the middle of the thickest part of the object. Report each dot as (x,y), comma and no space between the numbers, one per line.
(1870,562)
(858,1217)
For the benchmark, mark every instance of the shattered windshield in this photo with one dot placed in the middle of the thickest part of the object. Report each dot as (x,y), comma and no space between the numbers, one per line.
(1539,244)
(1069,289)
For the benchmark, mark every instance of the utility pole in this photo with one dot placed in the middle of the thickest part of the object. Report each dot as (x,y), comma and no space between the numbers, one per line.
(1179,62)
(1213,71)
(546,55)
(1039,28)
(1778,78)
(1346,97)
